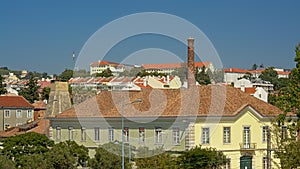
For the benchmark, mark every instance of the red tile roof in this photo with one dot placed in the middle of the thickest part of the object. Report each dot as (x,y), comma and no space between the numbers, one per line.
(177,103)
(14,101)
(172,65)
(104,63)
(250,90)
(39,105)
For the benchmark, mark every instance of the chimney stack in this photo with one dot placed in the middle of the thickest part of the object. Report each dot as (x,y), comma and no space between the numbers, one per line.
(190,63)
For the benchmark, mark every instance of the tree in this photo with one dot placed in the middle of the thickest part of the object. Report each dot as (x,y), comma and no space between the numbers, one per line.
(30,91)
(206,158)
(181,72)
(202,77)
(80,152)
(153,159)
(270,75)
(105,73)
(66,75)
(109,156)
(254,66)
(17,147)
(33,161)
(6,163)
(46,93)
(2,86)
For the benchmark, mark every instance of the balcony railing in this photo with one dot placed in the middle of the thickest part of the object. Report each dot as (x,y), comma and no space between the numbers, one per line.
(247,146)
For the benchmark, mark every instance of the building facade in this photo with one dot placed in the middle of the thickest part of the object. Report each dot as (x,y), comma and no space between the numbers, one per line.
(15,111)
(221,117)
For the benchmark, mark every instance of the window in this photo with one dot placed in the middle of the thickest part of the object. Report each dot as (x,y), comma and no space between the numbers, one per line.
(158,135)
(246,137)
(264,163)
(226,134)
(284,133)
(29,113)
(227,165)
(126,134)
(265,133)
(205,135)
(6,126)
(70,133)
(19,114)
(7,114)
(83,134)
(176,137)
(141,135)
(58,133)
(111,137)
(97,133)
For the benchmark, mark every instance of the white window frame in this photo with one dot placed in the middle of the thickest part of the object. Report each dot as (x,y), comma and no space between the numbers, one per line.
(228,164)
(70,130)
(158,135)
(284,132)
(6,115)
(226,135)
(141,135)
(111,136)
(246,137)
(18,113)
(58,133)
(97,134)
(126,134)
(83,134)
(205,135)
(176,136)
(265,133)
(29,113)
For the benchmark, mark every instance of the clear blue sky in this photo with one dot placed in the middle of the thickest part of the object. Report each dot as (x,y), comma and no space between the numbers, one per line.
(41,35)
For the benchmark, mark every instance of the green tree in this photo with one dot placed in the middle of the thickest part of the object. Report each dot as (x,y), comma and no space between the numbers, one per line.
(46,93)
(109,156)
(66,75)
(30,91)
(17,147)
(181,72)
(202,77)
(254,66)
(105,73)
(152,159)
(206,158)
(2,86)
(270,75)
(33,161)
(6,163)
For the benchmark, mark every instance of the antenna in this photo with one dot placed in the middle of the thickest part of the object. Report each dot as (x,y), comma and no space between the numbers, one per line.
(73,58)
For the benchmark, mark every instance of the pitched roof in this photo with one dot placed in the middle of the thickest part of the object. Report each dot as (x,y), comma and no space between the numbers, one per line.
(172,65)
(104,63)
(39,105)
(14,101)
(213,100)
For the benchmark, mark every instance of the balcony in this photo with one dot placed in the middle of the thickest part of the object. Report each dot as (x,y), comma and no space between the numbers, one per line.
(247,146)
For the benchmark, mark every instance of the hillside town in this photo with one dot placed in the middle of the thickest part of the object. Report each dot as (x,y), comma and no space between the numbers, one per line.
(154,113)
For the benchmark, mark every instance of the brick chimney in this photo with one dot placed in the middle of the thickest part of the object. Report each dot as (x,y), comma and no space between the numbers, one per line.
(190,63)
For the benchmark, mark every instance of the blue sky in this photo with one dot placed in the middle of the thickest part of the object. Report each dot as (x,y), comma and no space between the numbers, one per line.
(41,35)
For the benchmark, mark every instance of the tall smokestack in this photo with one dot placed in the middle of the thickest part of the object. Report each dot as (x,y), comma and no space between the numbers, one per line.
(190,63)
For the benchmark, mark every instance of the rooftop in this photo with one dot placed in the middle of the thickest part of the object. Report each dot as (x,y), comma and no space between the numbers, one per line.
(14,102)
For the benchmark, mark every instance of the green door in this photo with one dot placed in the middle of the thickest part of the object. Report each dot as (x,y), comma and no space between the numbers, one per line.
(246,162)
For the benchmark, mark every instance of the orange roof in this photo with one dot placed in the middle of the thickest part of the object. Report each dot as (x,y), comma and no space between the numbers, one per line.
(283,73)
(14,101)
(104,63)
(39,105)
(172,65)
(178,103)
(250,90)
(236,70)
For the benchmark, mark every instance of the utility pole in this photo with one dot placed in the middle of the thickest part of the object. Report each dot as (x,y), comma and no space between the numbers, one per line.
(268,148)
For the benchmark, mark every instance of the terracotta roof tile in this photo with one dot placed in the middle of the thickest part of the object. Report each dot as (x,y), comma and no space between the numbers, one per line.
(170,103)
(14,101)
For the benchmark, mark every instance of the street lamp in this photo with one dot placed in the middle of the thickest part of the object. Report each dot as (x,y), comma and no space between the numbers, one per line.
(123,105)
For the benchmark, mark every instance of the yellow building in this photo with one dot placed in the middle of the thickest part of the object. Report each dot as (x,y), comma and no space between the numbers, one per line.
(176,120)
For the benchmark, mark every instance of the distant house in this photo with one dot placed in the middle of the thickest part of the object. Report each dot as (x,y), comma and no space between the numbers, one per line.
(168,68)
(98,67)
(15,111)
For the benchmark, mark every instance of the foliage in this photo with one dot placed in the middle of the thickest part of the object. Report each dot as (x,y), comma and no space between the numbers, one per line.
(30,91)
(60,157)
(108,156)
(133,72)
(2,86)
(81,73)
(205,158)
(247,76)
(66,75)
(6,163)
(285,143)
(105,73)
(80,152)
(33,161)
(46,93)
(154,159)
(17,147)
(35,75)
(254,66)
(202,77)
(181,72)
